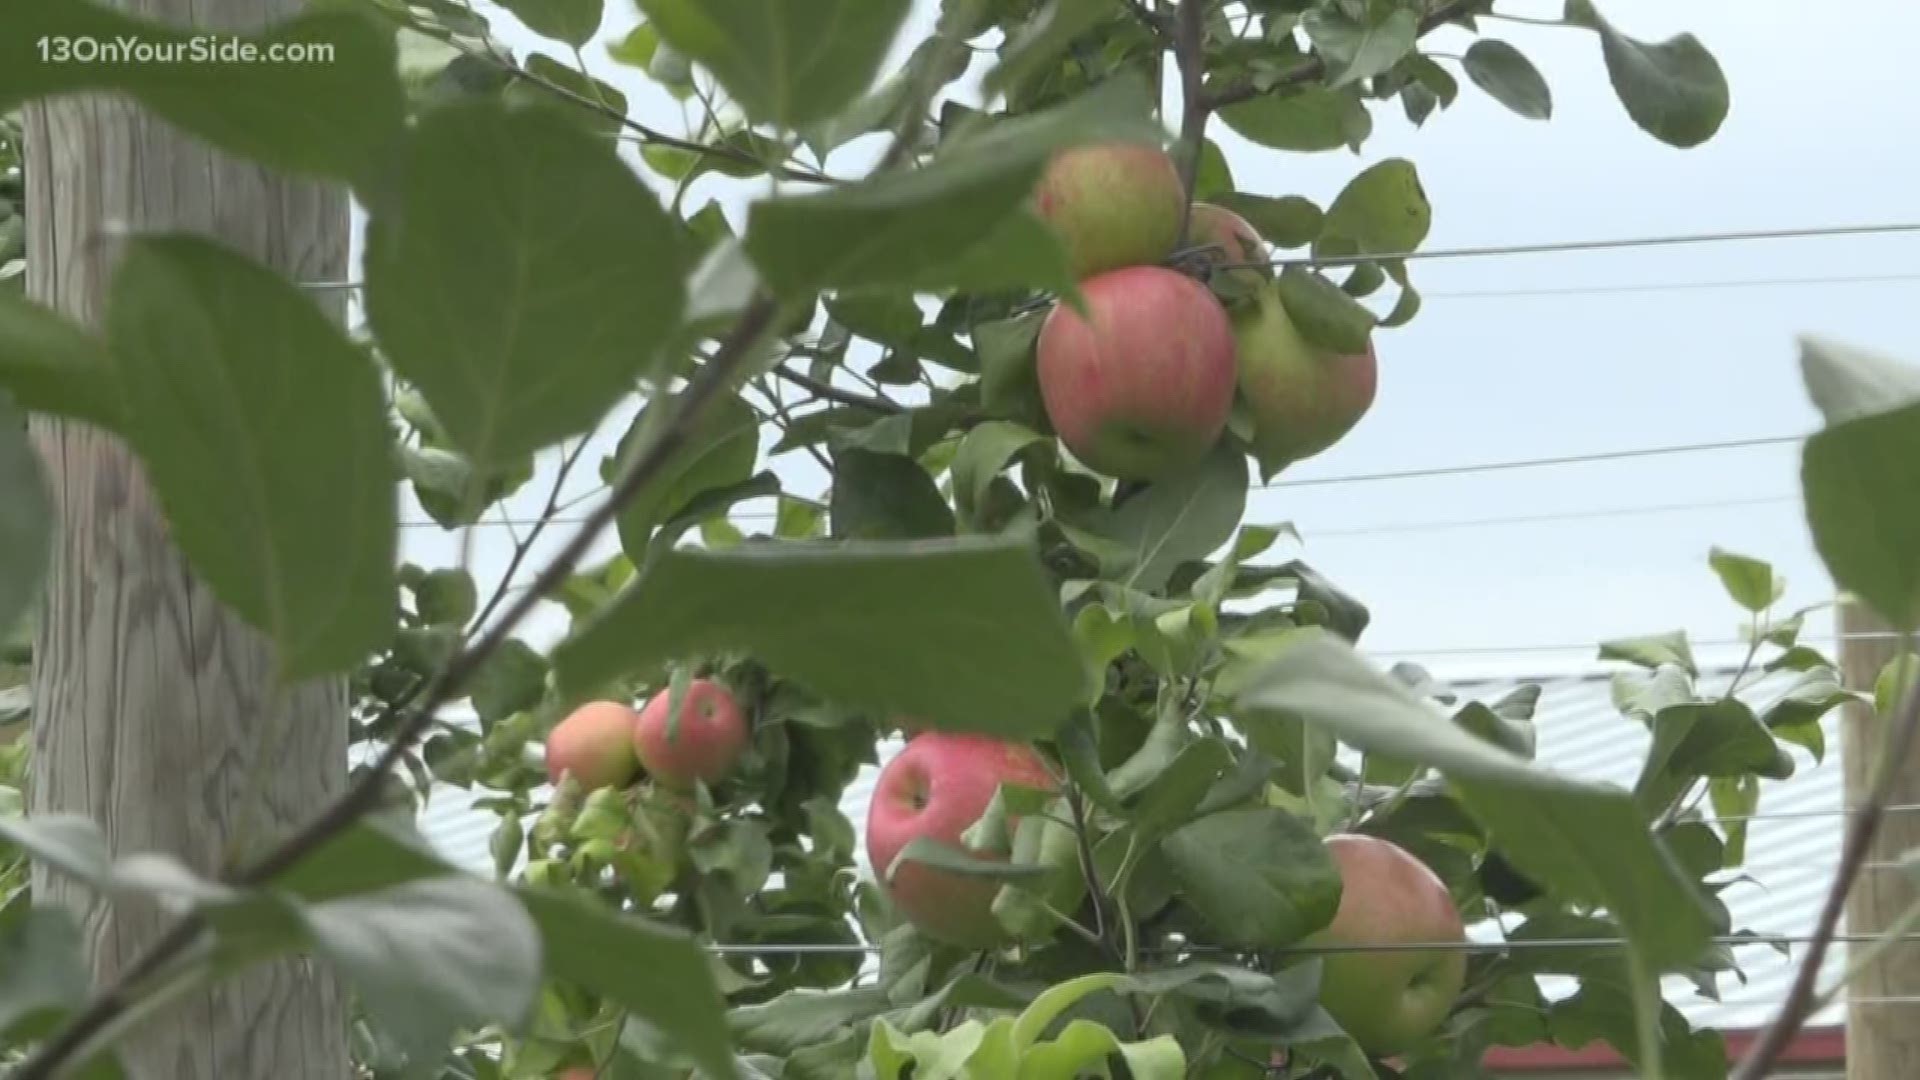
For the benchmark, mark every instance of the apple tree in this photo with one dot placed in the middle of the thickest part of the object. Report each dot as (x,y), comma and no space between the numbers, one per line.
(1159,817)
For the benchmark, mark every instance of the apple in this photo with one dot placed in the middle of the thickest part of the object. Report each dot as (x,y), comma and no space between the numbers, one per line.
(1144,385)
(1111,205)
(1226,237)
(1388,1001)
(937,787)
(1303,398)
(595,744)
(708,743)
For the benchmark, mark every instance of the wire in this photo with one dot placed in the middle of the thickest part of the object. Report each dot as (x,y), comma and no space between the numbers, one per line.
(1533,519)
(1670,286)
(1470,946)
(1611,245)
(1477,650)
(1535,463)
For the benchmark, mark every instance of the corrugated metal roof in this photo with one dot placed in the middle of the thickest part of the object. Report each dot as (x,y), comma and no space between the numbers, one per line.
(1581,735)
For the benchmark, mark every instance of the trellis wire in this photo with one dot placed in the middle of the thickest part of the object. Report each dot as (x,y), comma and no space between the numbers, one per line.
(1470,946)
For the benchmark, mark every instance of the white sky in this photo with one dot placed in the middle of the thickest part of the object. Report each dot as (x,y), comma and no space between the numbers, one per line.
(1483,378)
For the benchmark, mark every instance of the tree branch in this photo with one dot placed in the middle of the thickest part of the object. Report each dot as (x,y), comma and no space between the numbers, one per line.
(702,391)
(1148,17)
(1314,68)
(1190,54)
(1799,1003)
(823,389)
(648,134)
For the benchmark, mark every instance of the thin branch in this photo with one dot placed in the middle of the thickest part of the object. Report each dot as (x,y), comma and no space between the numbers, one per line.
(821,388)
(525,544)
(1148,17)
(1859,842)
(1190,53)
(702,390)
(1315,67)
(659,138)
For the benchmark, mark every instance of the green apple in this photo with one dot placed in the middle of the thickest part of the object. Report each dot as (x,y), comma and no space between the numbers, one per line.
(1111,205)
(1389,1000)
(1303,398)
(1143,385)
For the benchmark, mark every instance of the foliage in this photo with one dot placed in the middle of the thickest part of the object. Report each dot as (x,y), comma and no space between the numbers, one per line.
(1210,711)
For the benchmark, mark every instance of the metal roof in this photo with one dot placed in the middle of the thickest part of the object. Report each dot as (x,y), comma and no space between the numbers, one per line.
(1580,734)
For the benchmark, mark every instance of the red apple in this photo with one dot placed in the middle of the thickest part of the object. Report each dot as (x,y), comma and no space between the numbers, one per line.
(937,787)
(708,743)
(1302,398)
(1389,1000)
(1144,386)
(1112,205)
(1229,238)
(595,744)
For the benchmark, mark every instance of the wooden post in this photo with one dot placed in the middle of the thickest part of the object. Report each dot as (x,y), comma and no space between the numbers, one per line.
(1883,1039)
(153,712)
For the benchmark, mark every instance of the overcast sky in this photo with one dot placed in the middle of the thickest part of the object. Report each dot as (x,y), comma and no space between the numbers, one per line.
(1520,357)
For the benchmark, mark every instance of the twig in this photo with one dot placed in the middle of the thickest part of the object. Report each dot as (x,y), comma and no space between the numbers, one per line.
(1853,855)
(1190,54)
(525,544)
(660,138)
(702,390)
(1315,67)
(1148,17)
(823,389)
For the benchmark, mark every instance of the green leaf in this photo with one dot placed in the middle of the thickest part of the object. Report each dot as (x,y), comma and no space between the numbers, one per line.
(1009,380)
(43,972)
(1175,792)
(520,316)
(1509,78)
(1084,1044)
(900,626)
(1848,383)
(512,680)
(800,1018)
(1260,878)
(1214,178)
(584,88)
(446,597)
(952,222)
(1361,49)
(1734,798)
(432,957)
(1325,315)
(1853,474)
(1382,211)
(1586,842)
(786,62)
(263,428)
(657,973)
(719,452)
(1289,221)
(1674,89)
(26,522)
(1749,581)
(1042,39)
(375,853)
(53,366)
(886,497)
(1718,739)
(1307,121)
(944,856)
(1184,516)
(1514,736)
(984,452)
(571,21)
(1653,650)
(212,83)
